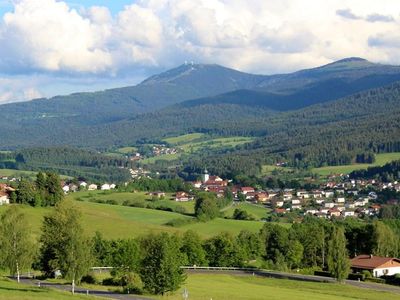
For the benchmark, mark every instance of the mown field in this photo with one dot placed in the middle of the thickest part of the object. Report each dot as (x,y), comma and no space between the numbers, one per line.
(10,290)
(227,287)
(257,211)
(381,159)
(16,173)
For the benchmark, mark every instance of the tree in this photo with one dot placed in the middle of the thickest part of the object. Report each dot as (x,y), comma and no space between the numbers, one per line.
(160,269)
(125,257)
(192,248)
(384,240)
(294,254)
(64,246)
(338,257)
(17,248)
(224,251)
(250,244)
(26,192)
(206,207)
(54,192)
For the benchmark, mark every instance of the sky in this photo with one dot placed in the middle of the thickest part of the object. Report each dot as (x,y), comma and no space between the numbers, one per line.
(52,47)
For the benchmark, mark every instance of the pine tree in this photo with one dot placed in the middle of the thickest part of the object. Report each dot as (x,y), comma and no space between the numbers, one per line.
(338,257)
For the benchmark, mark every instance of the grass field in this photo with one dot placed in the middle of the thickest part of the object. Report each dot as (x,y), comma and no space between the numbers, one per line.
(115,221)
(16,173)
(257,211)
(228,287)
(381,159)
(10,290)
(268,169)
(183,139)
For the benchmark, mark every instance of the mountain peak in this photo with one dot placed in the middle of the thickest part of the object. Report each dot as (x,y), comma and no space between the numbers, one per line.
(351,59)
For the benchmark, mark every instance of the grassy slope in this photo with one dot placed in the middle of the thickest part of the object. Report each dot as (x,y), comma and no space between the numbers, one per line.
(227,287)
(258,211)
(381,159)
(115,221)
(183,139)
(10,290)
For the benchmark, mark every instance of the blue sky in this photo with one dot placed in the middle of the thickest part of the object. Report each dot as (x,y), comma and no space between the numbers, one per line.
(51,47)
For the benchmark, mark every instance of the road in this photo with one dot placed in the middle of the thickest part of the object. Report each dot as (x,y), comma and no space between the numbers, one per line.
(79,290)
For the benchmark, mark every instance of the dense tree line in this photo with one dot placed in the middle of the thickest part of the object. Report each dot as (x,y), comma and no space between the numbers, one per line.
(163,185)
(44,191)
(387,173)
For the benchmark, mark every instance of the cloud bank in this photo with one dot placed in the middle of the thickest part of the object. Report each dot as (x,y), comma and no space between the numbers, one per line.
(50,38)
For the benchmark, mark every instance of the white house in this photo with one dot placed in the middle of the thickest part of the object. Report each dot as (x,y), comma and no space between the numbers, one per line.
(329,204)
(83,184)
(4,199)
(340,200)
(296,202)
(65,188)
(92,187)
(105,187)
(113,186)
(377,265)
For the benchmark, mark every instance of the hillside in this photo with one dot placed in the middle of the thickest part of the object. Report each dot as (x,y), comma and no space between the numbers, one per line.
(228,102)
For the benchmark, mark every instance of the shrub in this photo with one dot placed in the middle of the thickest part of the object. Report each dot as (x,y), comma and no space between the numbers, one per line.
(179,222)
(89,278)
(112,202)
(366,273)
(322,273)
(111,281)
(376,280)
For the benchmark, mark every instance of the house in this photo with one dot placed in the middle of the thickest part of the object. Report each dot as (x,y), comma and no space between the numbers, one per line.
(92,187)
(296,202)
(261,197)
(247,189)
(4,198)
(83,184)
(65,188)
(303,194)
(196,184)
(156,194)
(329,204)
(334,212)
(287,196)
(280,211)
(340,200)
(105,187)
(182,197)
(348,213)
(329,194)
(296,206)
(278,203)
(377,265)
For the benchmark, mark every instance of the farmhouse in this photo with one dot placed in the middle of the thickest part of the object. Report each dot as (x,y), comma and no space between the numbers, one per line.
(377,265)
(92,187)
(4,194)
(182,197)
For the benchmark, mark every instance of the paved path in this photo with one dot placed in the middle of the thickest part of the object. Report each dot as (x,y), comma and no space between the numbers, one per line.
(80,290)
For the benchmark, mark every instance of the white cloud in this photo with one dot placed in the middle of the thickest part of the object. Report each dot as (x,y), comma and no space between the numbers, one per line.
(48,36)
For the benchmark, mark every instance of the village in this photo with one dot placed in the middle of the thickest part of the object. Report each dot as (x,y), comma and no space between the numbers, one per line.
(339,199)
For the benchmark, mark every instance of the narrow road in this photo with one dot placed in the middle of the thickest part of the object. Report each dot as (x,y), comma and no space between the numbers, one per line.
(80,290)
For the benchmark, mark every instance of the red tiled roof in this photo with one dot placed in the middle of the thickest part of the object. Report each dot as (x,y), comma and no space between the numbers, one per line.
(371,262)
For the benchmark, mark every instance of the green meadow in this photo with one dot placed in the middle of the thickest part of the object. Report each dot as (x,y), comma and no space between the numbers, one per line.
(258,211)
(117,221)
(381,159)
(239,287)
(10,290)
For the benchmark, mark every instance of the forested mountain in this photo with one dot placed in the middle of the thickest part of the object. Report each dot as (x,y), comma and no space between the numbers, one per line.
(251,105)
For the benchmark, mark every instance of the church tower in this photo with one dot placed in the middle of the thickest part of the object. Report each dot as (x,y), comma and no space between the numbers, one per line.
(205,176)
